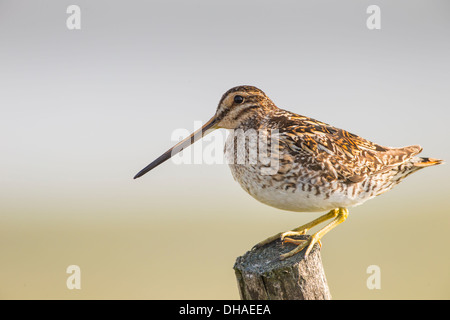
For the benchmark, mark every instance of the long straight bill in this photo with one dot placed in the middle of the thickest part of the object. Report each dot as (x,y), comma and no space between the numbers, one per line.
(200,133)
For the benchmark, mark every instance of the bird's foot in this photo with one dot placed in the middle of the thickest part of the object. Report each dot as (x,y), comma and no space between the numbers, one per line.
(299,241)
(293,233)
(338,215)
(280,236)
(301,244)
(296,232)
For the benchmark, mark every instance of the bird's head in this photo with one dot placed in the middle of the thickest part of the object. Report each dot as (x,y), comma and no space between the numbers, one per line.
(238,105)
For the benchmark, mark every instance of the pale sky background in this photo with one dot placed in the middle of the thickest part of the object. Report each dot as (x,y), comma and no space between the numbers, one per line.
(85,110)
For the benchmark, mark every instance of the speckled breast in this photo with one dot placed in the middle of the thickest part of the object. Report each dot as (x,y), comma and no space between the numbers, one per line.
(273,177)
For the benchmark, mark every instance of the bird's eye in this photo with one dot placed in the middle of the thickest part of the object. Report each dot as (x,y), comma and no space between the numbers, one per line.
(238,99)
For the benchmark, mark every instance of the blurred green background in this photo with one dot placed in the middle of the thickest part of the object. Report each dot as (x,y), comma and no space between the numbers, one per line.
(82,111)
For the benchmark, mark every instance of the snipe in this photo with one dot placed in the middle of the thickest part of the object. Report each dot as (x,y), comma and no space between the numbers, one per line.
(319,167)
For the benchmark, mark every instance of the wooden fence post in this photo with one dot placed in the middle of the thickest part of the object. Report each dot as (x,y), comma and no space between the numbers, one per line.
(261,275)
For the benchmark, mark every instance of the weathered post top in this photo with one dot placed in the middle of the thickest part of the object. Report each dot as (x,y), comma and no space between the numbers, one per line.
(261,275)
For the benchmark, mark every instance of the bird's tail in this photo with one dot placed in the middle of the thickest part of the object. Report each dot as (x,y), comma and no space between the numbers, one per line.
(422,162)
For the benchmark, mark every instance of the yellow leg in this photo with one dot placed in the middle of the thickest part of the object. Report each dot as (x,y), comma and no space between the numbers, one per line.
(300,230)
(340,217)
(303,229)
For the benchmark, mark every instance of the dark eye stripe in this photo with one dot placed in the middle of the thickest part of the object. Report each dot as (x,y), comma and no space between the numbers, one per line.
(244,111)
